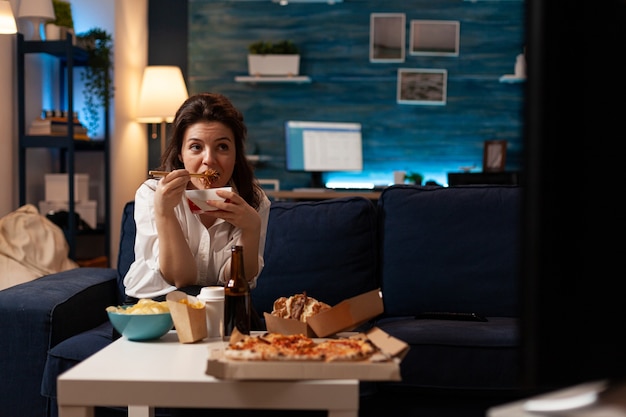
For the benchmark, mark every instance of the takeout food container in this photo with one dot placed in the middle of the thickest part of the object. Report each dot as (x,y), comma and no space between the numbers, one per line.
(189,319)
(345,316)
(198,198)
(381,367)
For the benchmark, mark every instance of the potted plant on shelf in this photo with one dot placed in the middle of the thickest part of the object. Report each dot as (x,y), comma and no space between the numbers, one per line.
(97,74)
(273,59)
(414,178)
(62,24)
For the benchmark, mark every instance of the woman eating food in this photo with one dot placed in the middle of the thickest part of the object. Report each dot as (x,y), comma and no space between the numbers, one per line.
(176,248)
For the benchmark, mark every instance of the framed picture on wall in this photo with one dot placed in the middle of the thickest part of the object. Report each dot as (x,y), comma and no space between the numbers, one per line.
(387,37)
(435,37)
(422,86)
(494,155)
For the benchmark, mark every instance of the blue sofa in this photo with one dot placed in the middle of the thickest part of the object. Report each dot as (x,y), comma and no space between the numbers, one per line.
(430,249)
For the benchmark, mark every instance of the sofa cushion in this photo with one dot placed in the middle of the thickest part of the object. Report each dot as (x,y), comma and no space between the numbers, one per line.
(127,247)
(433,258)
(37,315)
(72,351)
(457,354)
(326,248)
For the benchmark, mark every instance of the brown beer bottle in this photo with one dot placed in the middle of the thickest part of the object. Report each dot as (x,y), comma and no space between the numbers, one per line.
(237,307)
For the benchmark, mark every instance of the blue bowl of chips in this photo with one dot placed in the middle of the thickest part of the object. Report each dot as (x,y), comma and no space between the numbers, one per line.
(143,321)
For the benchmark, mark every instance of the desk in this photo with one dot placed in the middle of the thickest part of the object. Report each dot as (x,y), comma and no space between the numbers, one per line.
(321,195)
(477,178)
(167,373)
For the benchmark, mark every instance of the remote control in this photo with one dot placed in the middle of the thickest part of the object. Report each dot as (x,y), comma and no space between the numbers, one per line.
(445,315)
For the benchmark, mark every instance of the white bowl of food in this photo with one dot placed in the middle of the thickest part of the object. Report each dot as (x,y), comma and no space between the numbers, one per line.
(198,198)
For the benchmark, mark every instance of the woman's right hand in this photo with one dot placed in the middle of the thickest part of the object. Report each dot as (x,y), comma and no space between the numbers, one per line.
(170,190)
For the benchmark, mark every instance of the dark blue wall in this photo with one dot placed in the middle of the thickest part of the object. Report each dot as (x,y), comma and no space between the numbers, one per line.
(346,86)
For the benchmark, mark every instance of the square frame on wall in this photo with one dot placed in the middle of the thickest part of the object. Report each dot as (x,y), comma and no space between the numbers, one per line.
(387,37)
(435,37)
(422,86)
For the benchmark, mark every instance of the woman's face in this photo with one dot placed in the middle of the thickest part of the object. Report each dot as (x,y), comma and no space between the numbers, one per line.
(209,145)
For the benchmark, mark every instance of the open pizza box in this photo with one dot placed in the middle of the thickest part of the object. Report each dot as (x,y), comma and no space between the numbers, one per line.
(345,316)
(383,366)
(188,315)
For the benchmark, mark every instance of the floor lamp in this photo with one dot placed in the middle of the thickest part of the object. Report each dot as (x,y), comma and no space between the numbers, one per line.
(7,21)
(162,92)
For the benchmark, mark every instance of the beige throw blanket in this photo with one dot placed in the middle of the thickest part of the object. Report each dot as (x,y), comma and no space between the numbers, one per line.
(31,246)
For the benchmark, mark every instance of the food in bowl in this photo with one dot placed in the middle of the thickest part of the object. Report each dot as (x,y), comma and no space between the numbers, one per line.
(207,177)
(146,320)
(198,198)
(143,306)
(210,176)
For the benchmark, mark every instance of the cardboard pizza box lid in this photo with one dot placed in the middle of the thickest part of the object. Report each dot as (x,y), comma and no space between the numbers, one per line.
(388,344)
(190,322)
(381,369)
(348,314)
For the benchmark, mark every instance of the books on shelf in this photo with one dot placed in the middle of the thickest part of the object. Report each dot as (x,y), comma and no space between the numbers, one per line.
(57,126)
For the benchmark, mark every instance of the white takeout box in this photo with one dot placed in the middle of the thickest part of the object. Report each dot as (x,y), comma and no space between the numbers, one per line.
(198,198)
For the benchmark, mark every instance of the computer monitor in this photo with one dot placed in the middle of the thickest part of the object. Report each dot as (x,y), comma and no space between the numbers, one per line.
(319,147)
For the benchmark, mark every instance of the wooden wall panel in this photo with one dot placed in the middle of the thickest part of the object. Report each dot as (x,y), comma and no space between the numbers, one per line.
(334,44)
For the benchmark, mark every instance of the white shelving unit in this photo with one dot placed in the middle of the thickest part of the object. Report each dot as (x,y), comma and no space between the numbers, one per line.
(298,79)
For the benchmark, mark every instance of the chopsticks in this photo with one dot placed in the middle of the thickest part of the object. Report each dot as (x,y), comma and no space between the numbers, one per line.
(164,173)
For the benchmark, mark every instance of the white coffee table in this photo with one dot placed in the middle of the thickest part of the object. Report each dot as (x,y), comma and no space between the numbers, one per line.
(166,373)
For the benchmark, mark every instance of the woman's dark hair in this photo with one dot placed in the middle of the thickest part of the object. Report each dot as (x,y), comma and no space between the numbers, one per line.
(214,107)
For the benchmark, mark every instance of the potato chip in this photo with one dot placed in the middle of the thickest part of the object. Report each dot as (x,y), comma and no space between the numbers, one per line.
(143,306)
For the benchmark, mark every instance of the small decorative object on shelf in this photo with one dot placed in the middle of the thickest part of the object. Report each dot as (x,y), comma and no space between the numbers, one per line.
(494,155)
(63,23)
(520,71)
(54,123)
(273,59)
(31,15)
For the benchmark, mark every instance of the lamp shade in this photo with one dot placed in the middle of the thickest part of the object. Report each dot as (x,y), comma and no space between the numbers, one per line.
(7,21)
(36,8)
(162,92)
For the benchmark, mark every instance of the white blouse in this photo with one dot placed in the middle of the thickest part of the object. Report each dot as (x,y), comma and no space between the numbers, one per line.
(210,246)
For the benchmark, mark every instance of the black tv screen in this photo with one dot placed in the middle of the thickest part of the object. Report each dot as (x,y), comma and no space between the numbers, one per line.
(573,318)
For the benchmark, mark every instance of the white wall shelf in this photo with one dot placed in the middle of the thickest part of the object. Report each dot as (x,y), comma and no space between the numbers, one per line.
(512,78)
(299,79)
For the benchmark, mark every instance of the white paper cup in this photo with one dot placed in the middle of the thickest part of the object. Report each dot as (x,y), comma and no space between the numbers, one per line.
(200,197)
(213,298)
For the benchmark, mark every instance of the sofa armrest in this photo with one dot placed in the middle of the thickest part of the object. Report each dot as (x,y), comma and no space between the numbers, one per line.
(37,315)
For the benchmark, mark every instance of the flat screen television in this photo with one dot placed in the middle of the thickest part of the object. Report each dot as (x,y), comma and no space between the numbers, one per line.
(318,147)
(573,307)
